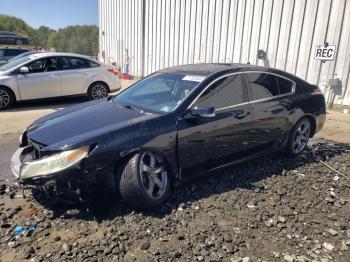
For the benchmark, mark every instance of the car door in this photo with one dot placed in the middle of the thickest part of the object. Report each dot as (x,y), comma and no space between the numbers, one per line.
(41,81)
(205,143)
(269,107)
(74,72)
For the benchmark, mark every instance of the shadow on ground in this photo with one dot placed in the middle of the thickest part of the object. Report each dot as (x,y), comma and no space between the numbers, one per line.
(49,103)
(243,175)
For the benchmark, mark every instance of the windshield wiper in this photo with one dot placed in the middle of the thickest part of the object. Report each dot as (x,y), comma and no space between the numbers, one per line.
(132,108)
(129,107)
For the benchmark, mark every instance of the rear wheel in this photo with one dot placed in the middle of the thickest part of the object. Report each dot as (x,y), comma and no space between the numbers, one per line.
(6,98)
(144,180)
(299,137)
(98,90)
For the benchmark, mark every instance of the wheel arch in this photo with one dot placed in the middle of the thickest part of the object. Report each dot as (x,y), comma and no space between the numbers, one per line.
(12,92)
(128,154)
(312,121)
(98,81)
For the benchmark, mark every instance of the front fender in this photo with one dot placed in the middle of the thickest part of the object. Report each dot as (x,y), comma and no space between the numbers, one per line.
(152,136)
(11,83)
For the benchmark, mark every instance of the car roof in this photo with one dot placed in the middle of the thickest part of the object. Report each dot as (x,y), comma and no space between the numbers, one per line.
(7,33)
(205,68)
(46,54)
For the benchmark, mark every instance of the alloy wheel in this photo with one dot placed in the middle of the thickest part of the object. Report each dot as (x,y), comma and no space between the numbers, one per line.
(4,99)
(301,137)
(98,91)
(153,174)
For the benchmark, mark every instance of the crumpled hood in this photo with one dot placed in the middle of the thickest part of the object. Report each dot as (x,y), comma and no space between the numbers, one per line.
(82,120)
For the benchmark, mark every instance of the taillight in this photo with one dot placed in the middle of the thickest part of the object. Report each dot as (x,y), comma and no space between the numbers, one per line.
(113,71)
(317,90)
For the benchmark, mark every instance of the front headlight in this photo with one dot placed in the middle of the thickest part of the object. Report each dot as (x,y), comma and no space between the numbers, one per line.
(54,163)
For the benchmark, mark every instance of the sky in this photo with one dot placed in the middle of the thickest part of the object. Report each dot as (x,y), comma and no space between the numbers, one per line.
(52,13)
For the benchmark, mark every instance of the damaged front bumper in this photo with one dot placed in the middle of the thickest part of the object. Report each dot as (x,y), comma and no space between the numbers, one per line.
(16,162)
(27,165)
(70,182)
(68,175)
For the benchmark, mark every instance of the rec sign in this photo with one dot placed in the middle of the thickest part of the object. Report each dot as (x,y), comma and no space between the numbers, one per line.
(325,53)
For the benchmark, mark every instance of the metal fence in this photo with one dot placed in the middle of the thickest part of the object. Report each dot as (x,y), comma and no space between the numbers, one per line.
(163,33)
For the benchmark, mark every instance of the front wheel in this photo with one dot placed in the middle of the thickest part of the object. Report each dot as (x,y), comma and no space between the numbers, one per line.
(144,180)
(19,42)
(299,137)
(97,91)
(7,99)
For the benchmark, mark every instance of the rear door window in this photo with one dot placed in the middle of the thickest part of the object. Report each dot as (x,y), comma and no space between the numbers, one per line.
(71,63)
(262,85)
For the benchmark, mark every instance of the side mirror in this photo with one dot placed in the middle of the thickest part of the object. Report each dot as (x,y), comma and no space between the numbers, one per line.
(23,70)
(203,111)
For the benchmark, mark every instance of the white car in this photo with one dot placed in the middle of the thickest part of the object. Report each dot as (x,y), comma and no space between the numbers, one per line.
(45,75)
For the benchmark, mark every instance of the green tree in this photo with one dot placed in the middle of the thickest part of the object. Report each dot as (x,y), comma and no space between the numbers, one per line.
(74,39)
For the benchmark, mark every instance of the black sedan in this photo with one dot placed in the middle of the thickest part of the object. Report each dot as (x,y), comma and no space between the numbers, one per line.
(175,123)
(10,38)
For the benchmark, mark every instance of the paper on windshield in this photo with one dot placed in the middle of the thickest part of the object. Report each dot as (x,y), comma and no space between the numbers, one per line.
(193,78)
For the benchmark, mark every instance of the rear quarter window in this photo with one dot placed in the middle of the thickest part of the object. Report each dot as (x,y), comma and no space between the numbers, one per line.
(92,63)
(285,85)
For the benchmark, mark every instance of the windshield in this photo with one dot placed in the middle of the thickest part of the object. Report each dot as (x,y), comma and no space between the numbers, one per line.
(159,93)
(14,63)
(21,55)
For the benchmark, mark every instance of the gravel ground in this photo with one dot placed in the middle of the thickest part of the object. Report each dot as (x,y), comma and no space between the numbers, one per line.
(271,209)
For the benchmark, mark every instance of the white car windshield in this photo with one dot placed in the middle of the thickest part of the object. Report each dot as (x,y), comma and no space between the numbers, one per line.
(14,63)
(159,93)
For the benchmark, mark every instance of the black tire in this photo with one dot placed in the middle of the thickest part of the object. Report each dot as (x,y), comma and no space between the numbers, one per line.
(98,90)
(7,99)
(131,186)
(19,42)
(293,147)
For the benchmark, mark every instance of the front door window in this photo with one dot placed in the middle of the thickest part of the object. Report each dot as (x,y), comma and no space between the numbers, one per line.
(43,65)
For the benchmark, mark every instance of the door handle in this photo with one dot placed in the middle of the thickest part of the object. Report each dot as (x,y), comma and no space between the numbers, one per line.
(51,76)
(241,115)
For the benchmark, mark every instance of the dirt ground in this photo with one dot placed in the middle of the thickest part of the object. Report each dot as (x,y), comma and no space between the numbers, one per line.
(271,209)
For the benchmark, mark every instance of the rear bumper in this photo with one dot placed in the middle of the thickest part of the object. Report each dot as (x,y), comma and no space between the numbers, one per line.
(320,120)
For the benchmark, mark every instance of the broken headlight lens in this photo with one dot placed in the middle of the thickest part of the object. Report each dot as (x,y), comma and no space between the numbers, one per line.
(54,163)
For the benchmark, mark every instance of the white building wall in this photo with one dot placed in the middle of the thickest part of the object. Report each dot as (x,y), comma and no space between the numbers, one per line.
(173,32)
